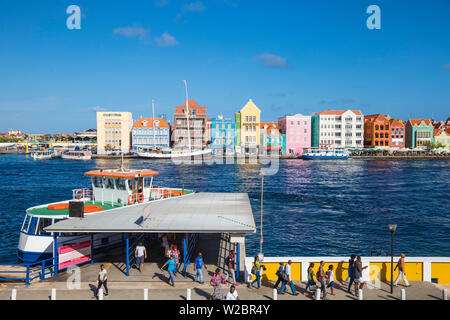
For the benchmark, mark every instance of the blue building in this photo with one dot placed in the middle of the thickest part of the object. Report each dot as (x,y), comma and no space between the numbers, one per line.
(149,132)
(222,136)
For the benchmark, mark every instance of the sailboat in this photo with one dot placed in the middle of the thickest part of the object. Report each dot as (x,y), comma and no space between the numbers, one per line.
(167,153)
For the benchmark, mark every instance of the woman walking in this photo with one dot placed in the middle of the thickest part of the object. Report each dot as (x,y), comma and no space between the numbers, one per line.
(311,281)
(170,268)
(216,282)
(257,272)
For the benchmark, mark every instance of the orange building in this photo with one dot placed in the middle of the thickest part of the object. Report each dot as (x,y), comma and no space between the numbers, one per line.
(376,131)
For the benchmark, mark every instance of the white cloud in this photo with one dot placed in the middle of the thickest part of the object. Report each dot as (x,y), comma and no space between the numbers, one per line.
(166,40)
(272,61)
(131,32)
(196,6)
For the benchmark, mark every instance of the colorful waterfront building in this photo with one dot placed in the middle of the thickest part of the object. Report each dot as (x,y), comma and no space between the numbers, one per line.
(149,132)
(271,138)
(114,131)
(397,133)
(442,137)
(419,132)
(337,129)
(376,131)
(297,132)
(222,136)
(197,126)
(247,122)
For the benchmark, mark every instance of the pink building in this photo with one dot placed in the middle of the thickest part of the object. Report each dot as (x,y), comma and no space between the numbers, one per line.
(297,129)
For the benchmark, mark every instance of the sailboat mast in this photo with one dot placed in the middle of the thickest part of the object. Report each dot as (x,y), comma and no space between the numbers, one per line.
(153,123)
(187,116)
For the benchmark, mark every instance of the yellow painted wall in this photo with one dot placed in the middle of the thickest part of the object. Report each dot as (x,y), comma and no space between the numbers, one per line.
(272,267)
(250,109)
(441,271)
(414,271)
(340,269)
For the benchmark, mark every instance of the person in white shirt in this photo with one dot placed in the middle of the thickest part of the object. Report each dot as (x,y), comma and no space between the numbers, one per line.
(102,280)
(232,294)
(287,279)
(141,254)
(330,279)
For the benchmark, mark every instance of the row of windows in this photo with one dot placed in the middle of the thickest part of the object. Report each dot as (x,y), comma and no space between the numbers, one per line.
(250,139)
(338,126)
(338,134)
(250,118)
(112,131)
(250,128)
(339,118)
(338,142)
(150,131)
(150,140)
(112,122)
(223,126)
(223,141)
(113,140)
(382,127)
(423,134)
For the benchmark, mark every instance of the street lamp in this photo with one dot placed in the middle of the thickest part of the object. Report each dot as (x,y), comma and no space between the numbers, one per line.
(392,228)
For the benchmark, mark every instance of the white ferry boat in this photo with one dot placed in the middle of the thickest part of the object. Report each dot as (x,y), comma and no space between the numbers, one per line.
(76,155)
(42,154)
(110,190)
(169,153)
(324,154)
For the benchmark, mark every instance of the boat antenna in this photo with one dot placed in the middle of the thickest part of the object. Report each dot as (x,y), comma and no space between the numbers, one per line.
(261,241)
(186,111)
(153,122)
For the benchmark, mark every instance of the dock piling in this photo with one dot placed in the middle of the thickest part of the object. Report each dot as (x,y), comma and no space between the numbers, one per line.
(100,294)
(14,294)
(275,294)
(403,294)
(188,294)
(360,294)
(318,294)
(444,294)
(145,294)
(53,294)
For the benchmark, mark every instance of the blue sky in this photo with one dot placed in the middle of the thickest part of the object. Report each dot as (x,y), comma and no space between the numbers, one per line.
(288,56)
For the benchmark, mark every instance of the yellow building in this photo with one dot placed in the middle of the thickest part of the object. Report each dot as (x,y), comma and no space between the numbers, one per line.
(114,131)
(247,129)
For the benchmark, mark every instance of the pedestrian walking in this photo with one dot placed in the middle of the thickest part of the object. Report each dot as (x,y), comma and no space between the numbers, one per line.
(102,280)
(401,271)
(256,270)
(198,267)
(176,253)
(217,282)
(311,281)
(279,274)
(351,268)
(230,263)
(330,279)
(350,262)
(170,268)
(357,272)
(232,294)
(321,277)
(140,254)
(288,279)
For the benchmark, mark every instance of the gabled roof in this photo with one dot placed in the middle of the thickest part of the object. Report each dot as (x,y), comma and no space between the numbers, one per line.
(438,132)
(193,105)
(417,122)
(396,123)
(376,118)
(270,126)
(337,112)
(250,104)
(149,123)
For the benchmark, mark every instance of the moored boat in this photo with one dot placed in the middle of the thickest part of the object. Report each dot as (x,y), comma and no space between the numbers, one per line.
(76,155)
(42,154)
(324,154)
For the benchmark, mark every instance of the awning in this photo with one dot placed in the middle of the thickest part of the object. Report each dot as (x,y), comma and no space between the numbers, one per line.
(193,213)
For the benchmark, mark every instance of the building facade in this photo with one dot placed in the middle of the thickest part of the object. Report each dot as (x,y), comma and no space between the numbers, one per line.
(397,133)
(418,133)
(376,131)
(271,138)
(247,122)
(197,126)
(297,131)
(337,129)
(150,132)
(114,131)
(222,136)
(442,137)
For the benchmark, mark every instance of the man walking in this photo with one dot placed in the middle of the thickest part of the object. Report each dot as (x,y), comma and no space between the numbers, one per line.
(141,254)
(401,271)
(230,262)
(357,271)
(198,266)
(102,280)
(279,274)
(288,279)
(351,267)
(321,277)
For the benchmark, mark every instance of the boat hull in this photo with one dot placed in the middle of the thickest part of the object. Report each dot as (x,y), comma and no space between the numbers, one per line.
(69,157)
(152,155)
(306,157)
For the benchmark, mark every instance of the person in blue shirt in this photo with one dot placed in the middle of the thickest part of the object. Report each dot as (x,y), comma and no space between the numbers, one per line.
(198,266)
(351,266)
(170,268)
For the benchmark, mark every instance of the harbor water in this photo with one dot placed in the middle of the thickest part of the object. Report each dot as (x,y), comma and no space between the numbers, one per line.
(311,208)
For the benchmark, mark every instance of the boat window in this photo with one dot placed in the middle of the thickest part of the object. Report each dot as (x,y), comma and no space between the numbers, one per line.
(147,182)
(130,184)
(25,224)
(43,223)
(32,225)
(108,183)
(120,184)
(97,182)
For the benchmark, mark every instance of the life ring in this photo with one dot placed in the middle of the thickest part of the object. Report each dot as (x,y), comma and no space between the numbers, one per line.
(89,193)
(79,194)
(166,193)
(140,197)
(131,199)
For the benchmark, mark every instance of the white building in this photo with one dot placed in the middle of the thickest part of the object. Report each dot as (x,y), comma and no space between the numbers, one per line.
(114,131)
(338,129)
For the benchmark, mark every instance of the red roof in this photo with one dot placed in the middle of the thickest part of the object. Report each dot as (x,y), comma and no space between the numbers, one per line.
(338,112)
(200,110)
(376,118)
(396,123)
(417,122)
(270,126)
(140,123)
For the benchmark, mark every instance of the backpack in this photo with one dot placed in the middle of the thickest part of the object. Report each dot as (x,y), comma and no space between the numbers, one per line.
(319,276)
(253,270)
